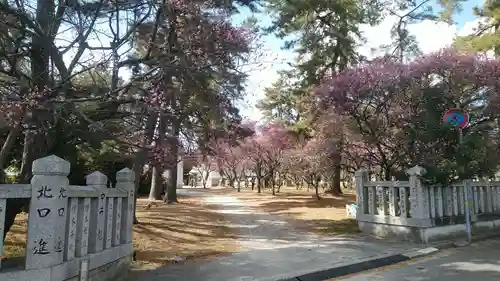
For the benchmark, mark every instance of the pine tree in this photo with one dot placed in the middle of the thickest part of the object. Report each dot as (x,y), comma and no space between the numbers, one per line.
(487,35)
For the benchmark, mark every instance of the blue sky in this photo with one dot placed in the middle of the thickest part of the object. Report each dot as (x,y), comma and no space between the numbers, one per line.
(431,37)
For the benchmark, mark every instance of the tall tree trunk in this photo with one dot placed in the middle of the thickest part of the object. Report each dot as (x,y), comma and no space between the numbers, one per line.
(35,146)
(273,183)
(337,167)
(174,142)
(336,187)
(316,189)
(259,183)
(141,157)
(155,190)
(137,168)
(157,172)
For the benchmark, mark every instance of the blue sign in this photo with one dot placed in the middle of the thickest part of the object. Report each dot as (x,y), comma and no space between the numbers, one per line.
(456,118)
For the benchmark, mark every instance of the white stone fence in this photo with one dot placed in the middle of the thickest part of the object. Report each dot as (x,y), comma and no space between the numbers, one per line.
(70,226)
(416,211)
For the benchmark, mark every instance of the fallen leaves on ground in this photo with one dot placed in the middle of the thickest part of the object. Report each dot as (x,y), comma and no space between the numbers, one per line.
(15,242)
(166,234)
(300,207)
(185,231)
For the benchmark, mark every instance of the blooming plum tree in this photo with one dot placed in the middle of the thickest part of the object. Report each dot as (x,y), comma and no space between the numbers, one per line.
(230,160)
(265,150)
(392,114)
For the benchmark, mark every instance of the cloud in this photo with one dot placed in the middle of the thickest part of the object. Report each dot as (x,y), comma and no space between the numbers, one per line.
(431,36)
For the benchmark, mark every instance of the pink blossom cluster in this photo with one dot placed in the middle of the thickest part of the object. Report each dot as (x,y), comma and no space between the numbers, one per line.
(14,109)
(379,107)
(229,34)
(373,79)
(178,4)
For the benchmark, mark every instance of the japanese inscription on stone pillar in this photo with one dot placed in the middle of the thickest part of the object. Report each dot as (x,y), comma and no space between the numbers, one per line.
(109,222)
(71,229)
(98,181)
(118,222)
(47,222)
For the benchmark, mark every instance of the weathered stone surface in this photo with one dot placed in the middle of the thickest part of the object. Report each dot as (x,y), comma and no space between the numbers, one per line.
(125,175)
(48,212)
(63,217)
(51,165)
(126,183)
(361,176)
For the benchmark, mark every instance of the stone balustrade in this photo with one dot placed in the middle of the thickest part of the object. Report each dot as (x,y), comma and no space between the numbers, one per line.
(74,232)
(410,210)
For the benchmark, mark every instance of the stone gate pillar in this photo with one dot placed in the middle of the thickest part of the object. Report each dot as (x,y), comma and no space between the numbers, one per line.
(48,211)
(419,194)
(360,177)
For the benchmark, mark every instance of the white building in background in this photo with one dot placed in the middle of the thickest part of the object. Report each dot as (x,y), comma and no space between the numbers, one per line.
(197,174)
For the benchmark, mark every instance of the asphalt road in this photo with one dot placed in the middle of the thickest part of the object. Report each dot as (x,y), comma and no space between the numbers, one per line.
(479,261)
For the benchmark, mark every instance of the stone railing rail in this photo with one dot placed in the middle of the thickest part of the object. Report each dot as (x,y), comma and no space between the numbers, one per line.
(74,232)
(415,211)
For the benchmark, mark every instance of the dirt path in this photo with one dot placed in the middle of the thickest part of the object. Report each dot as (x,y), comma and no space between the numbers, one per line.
(272,249)
(257,230)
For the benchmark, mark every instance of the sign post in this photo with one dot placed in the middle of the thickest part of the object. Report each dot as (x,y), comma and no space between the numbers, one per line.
(460,119)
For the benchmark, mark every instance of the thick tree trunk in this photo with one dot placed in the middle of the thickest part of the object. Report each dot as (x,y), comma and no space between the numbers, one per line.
(156,177)
(336,187)
(141,158)
(316,189)
(34,146)
(171,195)
(156,184)
(137,168)
(172,186)
(273,183)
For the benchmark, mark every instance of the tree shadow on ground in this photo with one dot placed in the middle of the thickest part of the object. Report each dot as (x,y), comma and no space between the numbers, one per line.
(302,209)
(289,198)
(289,201)
(184,231)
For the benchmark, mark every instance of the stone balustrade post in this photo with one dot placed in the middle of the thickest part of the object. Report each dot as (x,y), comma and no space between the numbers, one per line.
(180,172)
(419,199)
(125,181)
(47,212)
(98,181)
(360,177)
